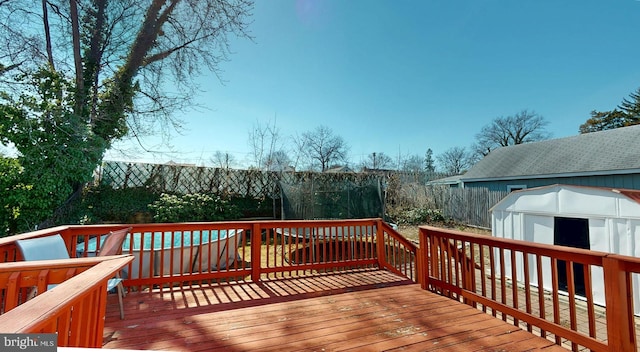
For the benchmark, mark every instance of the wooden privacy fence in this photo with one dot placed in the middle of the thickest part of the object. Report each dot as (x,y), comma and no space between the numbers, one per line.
(517,281)
(470,206)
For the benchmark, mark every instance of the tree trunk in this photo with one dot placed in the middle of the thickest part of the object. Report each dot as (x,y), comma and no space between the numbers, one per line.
(77,58)
(47,33)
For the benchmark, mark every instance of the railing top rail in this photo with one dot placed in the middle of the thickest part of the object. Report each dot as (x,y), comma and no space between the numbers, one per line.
(50,302)
(33,234)
(239,224)
(585,256)
(630,264)
(319,223)
(412,246)
(54,263)
(105,228)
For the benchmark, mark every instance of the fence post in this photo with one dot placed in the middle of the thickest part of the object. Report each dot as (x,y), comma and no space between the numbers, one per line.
(256,251)
(621,334)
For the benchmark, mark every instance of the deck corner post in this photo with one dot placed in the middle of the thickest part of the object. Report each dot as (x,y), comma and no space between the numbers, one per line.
(619,306)
(380,246)
(98,339)
(256,251)
(423,257)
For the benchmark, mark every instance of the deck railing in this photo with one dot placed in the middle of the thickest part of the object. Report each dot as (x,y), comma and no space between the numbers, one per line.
(184,253)
(162,255)
(74,308)
(518,282)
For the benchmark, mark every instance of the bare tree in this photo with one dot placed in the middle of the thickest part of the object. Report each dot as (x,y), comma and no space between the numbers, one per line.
(455,160)
(223,160)
(377,160)
(278,160)
(264,140)
(523,127)
(323,148)
(412,163)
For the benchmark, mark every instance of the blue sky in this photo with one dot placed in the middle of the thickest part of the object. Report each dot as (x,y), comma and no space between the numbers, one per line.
(401,76)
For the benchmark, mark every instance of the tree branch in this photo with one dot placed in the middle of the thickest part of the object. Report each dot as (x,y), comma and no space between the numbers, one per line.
(163,55)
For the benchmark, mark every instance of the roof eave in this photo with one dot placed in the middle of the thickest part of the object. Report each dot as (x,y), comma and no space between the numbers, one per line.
(565,174)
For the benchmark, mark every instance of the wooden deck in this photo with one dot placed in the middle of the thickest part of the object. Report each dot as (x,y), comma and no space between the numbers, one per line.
(365,310)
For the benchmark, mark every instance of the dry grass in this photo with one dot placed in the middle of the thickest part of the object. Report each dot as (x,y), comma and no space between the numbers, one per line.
(411,231)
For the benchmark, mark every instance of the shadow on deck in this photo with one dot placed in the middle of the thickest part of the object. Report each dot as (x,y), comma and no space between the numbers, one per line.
(363,310)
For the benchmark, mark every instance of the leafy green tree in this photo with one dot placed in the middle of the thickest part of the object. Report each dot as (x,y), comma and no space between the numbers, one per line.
(57,150)
(9,173)
(605,120)
(627,114)
(91,72)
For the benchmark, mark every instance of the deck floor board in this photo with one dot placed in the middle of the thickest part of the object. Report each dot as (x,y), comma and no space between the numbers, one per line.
(367,310)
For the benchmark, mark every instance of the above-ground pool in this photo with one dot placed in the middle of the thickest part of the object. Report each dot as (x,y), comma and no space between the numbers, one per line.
(179,252)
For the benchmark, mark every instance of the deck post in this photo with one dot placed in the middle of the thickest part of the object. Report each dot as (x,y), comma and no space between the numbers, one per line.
(380,246)
(423,257)
(621,334)
(256,251)
(101,296)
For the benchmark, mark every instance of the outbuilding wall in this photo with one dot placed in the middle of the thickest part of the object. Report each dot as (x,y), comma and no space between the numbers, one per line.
(628,181)
(613,222)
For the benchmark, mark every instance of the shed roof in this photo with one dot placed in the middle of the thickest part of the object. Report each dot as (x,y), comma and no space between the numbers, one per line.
(451,180)
(598,153)
(574,201)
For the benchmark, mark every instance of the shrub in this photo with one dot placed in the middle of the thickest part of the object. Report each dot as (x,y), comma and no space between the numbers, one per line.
(417,216)
(193,207)
(103,204)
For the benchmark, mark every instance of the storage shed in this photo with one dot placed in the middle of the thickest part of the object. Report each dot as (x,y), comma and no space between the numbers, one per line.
(600,219)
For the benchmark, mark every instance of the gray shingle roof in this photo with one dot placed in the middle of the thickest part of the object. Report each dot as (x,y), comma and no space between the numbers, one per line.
(592,153)
(446,180)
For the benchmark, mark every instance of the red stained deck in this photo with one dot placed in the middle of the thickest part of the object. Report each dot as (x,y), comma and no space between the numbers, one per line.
(366,310)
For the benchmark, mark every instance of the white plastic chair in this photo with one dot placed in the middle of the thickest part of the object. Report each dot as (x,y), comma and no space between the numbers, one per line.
(43,248)
(53,247)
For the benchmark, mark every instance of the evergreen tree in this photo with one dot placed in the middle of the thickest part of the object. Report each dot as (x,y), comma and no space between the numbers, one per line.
(627,114)
(631,106)
(605,120)
(429,164)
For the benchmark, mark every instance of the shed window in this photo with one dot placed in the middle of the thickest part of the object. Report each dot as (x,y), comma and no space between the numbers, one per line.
(511,188)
